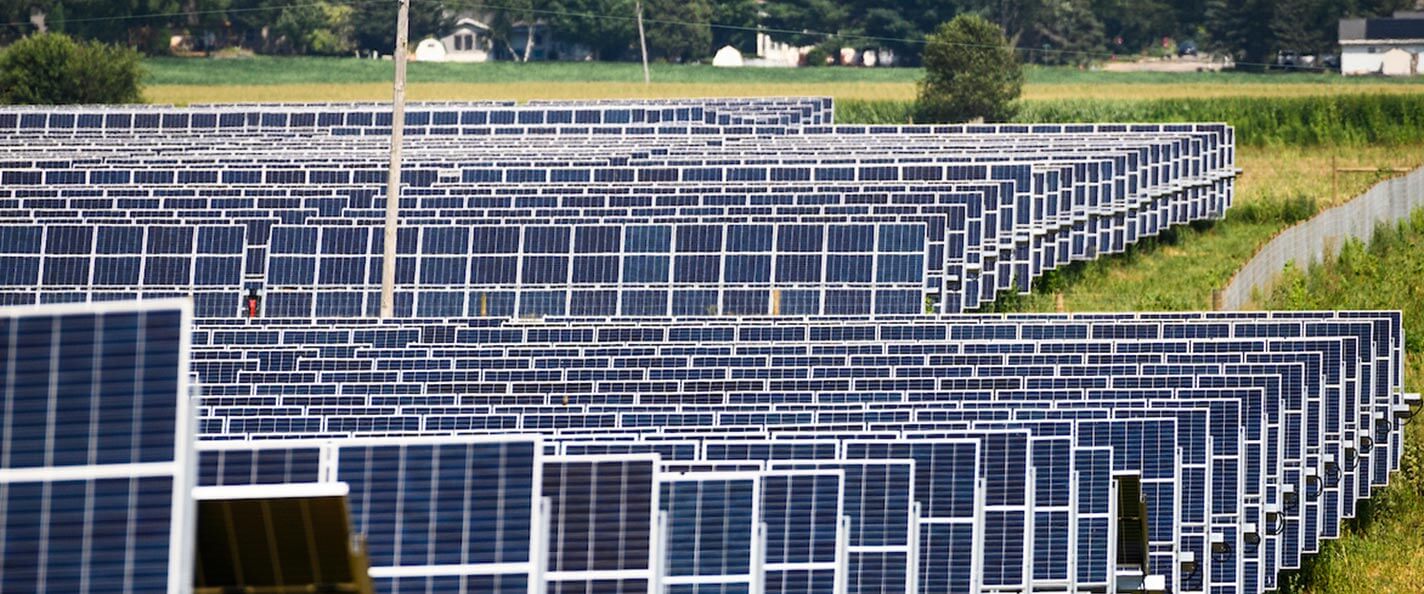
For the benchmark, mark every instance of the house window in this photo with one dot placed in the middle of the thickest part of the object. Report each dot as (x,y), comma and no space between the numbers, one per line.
(1374,49)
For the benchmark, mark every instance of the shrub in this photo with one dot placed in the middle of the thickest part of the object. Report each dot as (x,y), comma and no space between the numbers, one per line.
(971,72)
(818,56)
(52,68)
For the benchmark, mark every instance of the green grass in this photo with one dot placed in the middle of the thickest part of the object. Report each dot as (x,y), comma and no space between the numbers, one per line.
(296,70)
(1348,119)
(1383,549)
(1180,269)
(1073,76)
(266,78)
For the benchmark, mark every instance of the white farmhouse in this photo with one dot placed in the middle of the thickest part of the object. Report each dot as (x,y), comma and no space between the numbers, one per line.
(469,41)
(1391,46)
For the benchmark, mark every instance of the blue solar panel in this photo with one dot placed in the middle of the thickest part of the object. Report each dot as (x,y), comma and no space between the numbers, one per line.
(710,522)
(444,507)
(601,520)
(95,448)
(804,532)
(973,452)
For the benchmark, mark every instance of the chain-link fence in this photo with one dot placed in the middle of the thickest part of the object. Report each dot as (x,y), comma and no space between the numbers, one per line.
(1322,236)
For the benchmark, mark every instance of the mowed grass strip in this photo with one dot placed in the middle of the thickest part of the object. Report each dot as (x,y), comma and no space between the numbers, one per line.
(1180,269)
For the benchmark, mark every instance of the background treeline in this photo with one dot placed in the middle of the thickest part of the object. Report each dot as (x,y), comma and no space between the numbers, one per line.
(1046,31)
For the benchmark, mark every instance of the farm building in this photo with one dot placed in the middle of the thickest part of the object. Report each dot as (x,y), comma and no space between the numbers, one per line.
(1390,47)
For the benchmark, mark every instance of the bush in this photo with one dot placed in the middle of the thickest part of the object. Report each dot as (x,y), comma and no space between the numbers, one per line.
(971,72)
(818,56)
(52,69)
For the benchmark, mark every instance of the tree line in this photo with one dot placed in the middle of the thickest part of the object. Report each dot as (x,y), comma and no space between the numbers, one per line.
(1043,31)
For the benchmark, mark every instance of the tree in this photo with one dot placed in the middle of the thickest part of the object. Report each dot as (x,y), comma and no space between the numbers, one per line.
(971,72)
(317,28)
(1301,26)
(804,22)
(584,22)
(53,69)
(1241,29)
(739,22)
(1139,24)
(1069,32)
(509,16)
(678,30)
(375,23)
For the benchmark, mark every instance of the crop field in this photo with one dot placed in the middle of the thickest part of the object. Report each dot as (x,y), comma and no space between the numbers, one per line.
(189,80)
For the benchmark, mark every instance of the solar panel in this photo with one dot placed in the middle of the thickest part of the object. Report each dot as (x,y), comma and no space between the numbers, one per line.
(731,345)
(601,520)
(96,448)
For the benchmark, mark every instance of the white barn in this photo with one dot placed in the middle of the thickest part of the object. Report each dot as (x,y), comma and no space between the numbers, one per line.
(1391,47)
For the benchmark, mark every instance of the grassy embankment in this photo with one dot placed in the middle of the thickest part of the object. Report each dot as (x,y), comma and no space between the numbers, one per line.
(1383,549)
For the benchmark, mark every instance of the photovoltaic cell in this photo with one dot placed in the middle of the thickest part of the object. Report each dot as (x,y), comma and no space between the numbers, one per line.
(95,452)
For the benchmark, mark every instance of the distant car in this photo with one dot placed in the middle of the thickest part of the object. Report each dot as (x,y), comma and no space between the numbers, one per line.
(1330,62)
(1187,48)
(1288,60)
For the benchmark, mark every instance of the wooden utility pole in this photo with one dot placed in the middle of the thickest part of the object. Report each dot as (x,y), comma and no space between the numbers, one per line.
(643,42)
(393,179)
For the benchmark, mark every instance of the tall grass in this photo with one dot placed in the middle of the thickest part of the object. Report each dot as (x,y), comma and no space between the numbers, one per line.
(1383,548)
(1337,120)
(1299,121)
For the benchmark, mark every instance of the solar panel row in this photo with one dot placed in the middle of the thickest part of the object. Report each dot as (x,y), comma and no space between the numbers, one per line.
(640,221)
(1253,434)
(728,385)
(357,118)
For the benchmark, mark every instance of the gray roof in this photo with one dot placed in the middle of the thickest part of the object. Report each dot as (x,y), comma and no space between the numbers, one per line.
(1409,27)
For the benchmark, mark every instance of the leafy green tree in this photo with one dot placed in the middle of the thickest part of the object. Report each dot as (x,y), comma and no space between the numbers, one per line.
(52,69)
(971,72)
(1299,26)
(1139,24)
(886,28)
(322,28)
(1069,33)
(586,22)
(678,30)
(804,22)
(1241,29)
(739,20)
(374,23)
(510,14)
